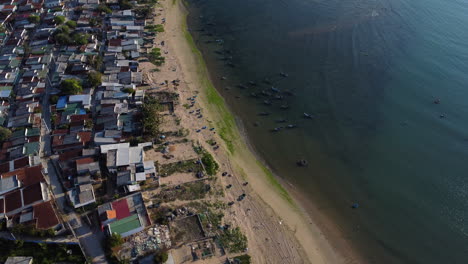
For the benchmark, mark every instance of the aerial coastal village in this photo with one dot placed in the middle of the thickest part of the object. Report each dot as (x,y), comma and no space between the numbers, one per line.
(108,153)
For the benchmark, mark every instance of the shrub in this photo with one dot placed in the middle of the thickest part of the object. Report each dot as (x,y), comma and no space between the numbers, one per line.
(161,257)
(81,38)
(104,8)
(94,79)
(71,86)
(233,240)
(34,19)
(59,20)
(63,39)
(211,166)
(71,24)
(5,133)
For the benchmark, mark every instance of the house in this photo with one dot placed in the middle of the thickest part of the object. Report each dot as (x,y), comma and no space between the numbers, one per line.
(125,216)
(82,195)
(122,155)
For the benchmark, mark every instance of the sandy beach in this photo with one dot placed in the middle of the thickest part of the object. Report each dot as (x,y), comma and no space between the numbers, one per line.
(276,225)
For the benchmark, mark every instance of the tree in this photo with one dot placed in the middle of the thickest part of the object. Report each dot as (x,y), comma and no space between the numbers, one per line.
(125,5)
(59,20)
(62,29)
(5,133)
(34,19)
(62,39)
(71,24)
(211,167)
(115,240)
(104,8)
(161,257)
(94,79)
(81,38)
(71,86)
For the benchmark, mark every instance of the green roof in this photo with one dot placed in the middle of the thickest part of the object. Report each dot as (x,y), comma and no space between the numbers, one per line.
(17,133)
(31,148)
(30,132)
(125,225)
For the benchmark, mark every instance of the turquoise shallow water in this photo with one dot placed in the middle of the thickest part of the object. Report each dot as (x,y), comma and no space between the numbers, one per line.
(369,72)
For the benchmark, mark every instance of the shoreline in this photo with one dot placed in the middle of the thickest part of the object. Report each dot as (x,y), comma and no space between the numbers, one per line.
(282,202)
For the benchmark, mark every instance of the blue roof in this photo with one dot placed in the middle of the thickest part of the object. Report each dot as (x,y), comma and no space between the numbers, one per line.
(82,111)
(62,102)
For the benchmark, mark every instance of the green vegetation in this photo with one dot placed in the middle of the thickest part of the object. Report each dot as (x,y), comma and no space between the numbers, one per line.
(155,28)
(95,61)
(71,86)
(5,133)
(243,259)
(65,29)
(184,192)
(35,19)
(53,99)
(155,57)
(59,20)
(71,24)
(114,240)
(160,257)
(128,90)
(80,38)
(180,166)
(95,21)
(30,231)
(211,166)
(94,79)
(233,240)
(125,5)
(151,119)
(226,124)
(42,253)
(104,8)
(63,39)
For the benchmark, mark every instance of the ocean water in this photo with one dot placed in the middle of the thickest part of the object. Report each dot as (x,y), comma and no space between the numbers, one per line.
(370,73)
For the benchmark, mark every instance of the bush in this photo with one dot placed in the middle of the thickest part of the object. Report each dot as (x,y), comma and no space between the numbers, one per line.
(34,19)
(81,38)
(243,259)
(233,240)
(128,90)
(94,79)
(71,86)
(53,99)
(114,240)
(155,28)
(211,166)
(155,57)
(62,29)
(59,20)
(5,133)
(104,8)
(161,257)
(63,39)
(71,24)
(151,119)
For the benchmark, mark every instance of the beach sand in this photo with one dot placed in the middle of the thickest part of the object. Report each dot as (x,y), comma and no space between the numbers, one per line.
(277,228)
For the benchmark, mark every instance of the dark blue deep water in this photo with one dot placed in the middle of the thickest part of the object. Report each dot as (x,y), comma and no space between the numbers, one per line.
(369,72)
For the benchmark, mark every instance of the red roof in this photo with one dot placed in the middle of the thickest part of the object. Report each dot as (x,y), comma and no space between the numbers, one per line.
(4,167)
(115,42)
(121,208)
(13,201)
(70,154)
(27,176)
(1,206)
(77,118)
(85,137)
(84,161)
(32,194)
(21,162)
(45,215)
